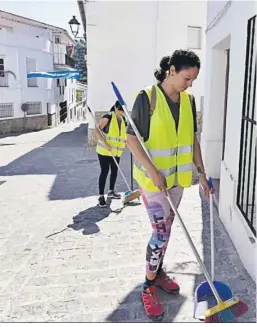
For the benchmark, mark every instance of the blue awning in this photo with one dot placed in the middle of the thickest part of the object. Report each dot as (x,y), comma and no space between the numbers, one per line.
(61,74)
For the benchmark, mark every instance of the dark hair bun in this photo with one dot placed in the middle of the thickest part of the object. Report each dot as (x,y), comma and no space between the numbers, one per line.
(165,63)
(160,74)
(118,105)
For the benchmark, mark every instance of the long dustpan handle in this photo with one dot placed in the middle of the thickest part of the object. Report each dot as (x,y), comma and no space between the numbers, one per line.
(208,277)
(212,231)
(116,163)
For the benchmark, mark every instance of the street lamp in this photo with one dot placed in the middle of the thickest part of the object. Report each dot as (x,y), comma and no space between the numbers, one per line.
(74,26)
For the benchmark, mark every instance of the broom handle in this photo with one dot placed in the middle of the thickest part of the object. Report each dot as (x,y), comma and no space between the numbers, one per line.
(131,171)
(208,277)
(116,163)
(212,231)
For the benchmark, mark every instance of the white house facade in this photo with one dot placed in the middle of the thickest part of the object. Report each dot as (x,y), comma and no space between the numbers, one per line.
(28,46)
(229,119)
(126,41)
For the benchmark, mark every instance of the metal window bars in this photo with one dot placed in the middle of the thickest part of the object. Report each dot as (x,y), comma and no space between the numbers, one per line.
(6,110)
(247,161)
(34,108)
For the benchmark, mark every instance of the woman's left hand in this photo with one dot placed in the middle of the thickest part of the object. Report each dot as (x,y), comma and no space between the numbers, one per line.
(205,185)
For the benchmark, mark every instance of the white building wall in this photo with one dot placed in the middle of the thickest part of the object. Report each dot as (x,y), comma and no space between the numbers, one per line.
(19,41)
(71,91)
(230,32)
(69,94)
(172,33)
(126,41)
(71,98)
(15,46)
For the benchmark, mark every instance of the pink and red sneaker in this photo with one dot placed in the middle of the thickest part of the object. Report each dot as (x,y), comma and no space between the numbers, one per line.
(166,284)
(152,305)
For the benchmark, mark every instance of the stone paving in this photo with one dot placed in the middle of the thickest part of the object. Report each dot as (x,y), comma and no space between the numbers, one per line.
(63,259)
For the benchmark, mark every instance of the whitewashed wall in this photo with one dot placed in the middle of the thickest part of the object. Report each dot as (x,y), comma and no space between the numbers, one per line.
(126,41)
(230,32)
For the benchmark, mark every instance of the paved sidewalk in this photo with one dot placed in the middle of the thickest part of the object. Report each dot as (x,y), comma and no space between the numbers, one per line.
(63,259)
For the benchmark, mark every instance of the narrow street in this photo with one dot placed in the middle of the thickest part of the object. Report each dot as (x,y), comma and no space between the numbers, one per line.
(63,259)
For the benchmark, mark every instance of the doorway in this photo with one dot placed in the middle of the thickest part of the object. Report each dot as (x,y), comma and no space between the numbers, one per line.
(225,103)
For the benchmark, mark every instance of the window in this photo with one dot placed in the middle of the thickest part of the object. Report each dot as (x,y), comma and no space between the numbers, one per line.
(31,67)
(247,160)
(6,110)
(3,76)
(1,67)
(57,39)
(34,108)
(59,85)
(194,37)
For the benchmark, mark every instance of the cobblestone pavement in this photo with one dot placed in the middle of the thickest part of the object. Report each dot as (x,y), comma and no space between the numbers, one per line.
(63,259)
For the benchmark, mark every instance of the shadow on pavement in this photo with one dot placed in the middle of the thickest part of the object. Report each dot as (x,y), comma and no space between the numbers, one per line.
(131,308)
(86,220)
(74,165)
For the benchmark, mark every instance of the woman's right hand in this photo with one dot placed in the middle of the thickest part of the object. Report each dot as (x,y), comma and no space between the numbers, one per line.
(159,180)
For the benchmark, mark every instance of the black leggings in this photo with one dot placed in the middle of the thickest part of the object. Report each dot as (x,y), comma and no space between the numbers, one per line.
(105,163)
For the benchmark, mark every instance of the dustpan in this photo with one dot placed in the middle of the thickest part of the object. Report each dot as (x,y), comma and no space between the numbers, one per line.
(204,297)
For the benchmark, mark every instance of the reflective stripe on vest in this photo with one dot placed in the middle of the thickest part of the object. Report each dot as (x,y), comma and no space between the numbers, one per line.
(170,149)
(165,172)
(113,147)
(170,152)
(116,138)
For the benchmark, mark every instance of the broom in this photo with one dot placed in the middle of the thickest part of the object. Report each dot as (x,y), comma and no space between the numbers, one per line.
(226,311)
(129,195)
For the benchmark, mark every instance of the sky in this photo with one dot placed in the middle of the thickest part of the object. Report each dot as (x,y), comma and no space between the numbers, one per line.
(54,12)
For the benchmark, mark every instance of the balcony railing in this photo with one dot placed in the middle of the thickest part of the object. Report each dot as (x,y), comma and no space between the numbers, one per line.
(69,61)
(3,80)
(64,59)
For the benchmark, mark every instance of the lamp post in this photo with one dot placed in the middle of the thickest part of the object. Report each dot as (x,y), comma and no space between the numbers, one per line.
(74,26)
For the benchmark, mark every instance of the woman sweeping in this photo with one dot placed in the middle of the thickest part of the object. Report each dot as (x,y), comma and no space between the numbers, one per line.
(113,126)
(169,134)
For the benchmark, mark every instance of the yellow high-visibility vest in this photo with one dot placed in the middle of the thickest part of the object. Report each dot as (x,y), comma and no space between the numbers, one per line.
(116,138)
(171,150)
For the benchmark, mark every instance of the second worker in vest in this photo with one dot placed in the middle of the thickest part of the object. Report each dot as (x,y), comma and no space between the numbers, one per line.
(169,134)
(113,126)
